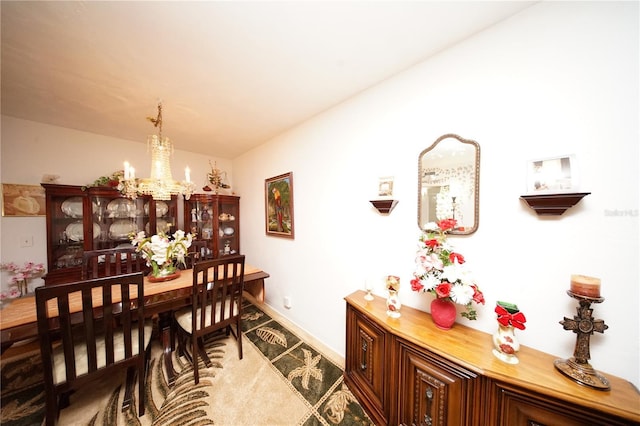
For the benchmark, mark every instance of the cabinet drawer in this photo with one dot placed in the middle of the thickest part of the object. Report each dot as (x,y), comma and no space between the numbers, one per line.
(518,407)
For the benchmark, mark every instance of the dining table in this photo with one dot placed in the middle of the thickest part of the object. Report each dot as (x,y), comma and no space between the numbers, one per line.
(18,317)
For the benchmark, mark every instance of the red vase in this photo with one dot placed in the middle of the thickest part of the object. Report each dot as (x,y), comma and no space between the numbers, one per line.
(443,313)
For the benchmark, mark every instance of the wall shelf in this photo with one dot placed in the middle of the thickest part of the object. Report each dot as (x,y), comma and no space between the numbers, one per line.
(384,206)
(553,204)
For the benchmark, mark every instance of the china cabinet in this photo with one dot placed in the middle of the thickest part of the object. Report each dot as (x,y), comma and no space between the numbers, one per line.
(214,219)
(94,218)
(406,371)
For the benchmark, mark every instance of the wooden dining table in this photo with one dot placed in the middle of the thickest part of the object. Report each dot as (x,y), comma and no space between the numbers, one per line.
(18,319)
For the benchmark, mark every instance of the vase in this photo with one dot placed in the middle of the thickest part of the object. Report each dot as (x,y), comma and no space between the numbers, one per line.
(164,275)
(393,304)
(443,313)
(505,344)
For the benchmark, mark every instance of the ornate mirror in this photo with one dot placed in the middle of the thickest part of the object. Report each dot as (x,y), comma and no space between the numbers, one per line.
(448,183)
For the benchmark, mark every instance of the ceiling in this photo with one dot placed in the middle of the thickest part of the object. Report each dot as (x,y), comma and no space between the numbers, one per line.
(230,74)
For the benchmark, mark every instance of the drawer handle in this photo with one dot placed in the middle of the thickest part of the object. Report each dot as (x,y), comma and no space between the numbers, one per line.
(363,364)
(429,397)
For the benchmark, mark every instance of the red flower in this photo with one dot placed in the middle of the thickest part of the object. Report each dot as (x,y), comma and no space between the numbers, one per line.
(478,297)
(456,256)
(447,224)
(443,289)
(416,285)
(432,244)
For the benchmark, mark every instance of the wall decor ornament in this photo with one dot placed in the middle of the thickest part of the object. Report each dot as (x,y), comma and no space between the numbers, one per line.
(442,271)
(278,194)
(23,200)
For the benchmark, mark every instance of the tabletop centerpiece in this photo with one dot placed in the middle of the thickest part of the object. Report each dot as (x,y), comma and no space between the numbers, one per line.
(163,253)
(442,271)
(21,275)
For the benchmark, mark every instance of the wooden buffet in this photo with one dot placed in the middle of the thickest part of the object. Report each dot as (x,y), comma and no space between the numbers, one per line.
(407,371)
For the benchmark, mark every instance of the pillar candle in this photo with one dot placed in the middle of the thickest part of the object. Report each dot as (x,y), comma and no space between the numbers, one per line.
(585,286)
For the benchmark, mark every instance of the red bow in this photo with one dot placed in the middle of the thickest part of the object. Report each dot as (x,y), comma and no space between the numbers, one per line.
(505,318)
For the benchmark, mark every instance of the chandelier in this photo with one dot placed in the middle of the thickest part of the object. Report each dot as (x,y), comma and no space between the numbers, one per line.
(161,185)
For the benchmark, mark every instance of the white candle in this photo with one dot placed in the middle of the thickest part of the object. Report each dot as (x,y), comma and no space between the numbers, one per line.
(126,170)
(187,174)
(132,173)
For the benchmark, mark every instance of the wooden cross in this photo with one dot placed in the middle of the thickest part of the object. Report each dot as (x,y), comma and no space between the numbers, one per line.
(583,325)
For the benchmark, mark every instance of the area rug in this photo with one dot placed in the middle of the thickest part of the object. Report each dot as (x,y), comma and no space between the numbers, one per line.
(282,379)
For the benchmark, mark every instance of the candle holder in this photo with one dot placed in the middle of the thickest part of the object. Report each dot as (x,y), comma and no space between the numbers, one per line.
(577,367)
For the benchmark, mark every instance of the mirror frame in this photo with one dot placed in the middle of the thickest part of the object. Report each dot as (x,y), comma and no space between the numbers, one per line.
(476,189)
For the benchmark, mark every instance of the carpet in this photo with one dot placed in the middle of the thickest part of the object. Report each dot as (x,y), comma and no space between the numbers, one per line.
(283,379)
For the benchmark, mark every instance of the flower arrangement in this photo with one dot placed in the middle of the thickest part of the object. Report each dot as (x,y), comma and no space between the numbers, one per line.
(114,180)
(442,271)
(163,252)
(21,276)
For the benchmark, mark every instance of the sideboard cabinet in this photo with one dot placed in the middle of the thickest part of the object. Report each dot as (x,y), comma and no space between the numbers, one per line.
(406,371)
(215,219)
(94,218)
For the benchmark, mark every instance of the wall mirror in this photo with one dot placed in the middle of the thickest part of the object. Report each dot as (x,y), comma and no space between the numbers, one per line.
(448,183)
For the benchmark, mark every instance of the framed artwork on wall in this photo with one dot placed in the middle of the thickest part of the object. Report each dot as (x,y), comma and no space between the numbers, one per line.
(22,200)
(278,201)
(552,175)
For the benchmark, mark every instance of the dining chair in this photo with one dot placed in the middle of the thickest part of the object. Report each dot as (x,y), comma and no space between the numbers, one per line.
(216,304)
(83,346)
(112,261)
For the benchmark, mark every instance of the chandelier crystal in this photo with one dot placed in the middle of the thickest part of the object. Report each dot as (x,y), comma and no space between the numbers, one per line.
(161,185)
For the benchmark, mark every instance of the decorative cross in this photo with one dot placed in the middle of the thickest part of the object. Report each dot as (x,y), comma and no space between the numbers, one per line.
(583,325)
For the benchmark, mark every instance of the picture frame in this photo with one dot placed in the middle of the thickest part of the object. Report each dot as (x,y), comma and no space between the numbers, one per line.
(385,186)
(552,175)
(278,201)
(23,200)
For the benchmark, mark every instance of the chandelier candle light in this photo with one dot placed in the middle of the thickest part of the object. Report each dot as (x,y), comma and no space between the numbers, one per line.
(161,185)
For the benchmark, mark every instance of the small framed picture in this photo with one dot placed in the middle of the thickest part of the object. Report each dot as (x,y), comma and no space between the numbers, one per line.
(385,186)
(278,200)
(552,175)
(22,200)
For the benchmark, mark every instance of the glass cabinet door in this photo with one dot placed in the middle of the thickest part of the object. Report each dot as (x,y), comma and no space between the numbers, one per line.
(215,220)
(114,219)
(65,207)
(228,226)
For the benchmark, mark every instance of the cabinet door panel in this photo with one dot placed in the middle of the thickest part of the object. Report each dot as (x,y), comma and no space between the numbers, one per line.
(365,363)
(431,392)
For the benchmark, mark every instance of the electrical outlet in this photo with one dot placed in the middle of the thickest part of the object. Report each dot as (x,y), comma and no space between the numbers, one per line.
(287,302)
(26,241)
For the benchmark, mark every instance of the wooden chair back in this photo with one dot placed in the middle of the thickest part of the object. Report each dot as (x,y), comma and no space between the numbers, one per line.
(110,262)
(216,304)
(80,347)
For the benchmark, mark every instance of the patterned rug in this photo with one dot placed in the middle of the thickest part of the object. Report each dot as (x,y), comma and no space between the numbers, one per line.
(281,380)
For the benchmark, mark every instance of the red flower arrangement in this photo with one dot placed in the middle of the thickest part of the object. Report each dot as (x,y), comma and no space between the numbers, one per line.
(442,271)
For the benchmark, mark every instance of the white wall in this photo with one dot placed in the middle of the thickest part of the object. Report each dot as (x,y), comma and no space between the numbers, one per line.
(30,150)
(560,78)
